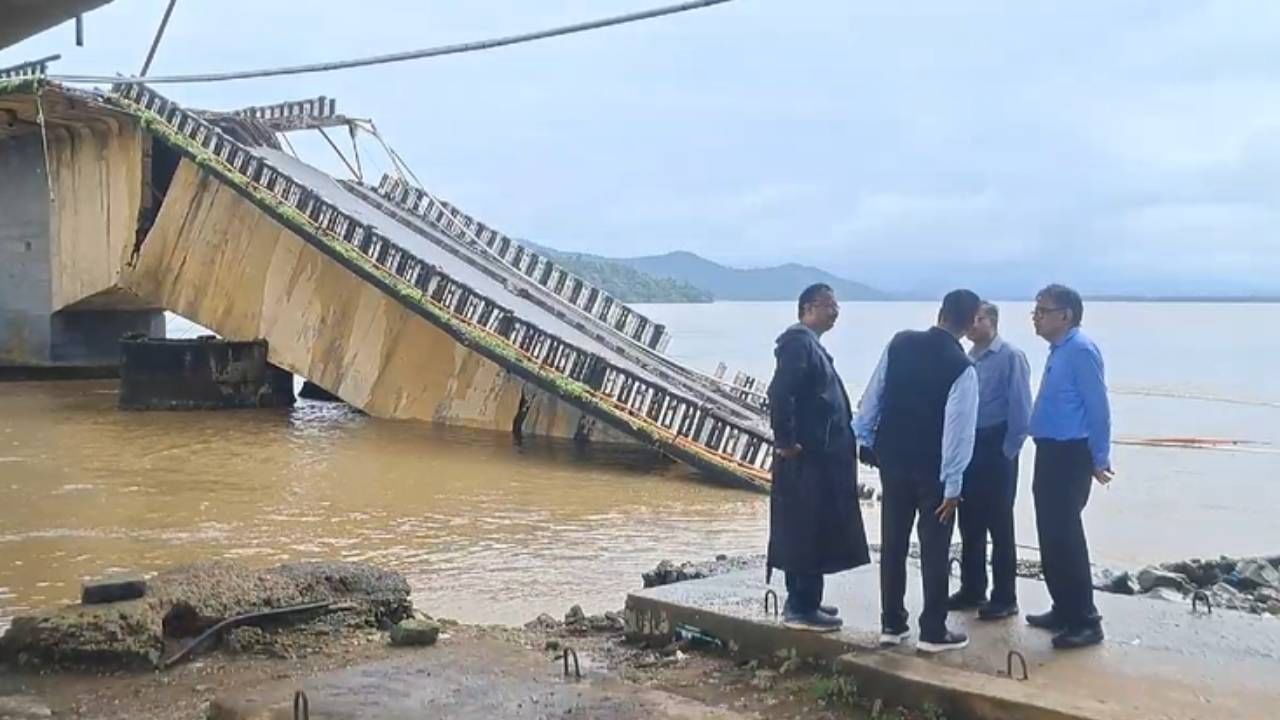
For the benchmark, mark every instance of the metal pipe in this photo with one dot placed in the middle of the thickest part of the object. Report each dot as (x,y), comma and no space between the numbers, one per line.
(243,619)
(155,42)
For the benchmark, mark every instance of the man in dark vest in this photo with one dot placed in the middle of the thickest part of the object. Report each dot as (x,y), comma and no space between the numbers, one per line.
(917,420)
(815,523)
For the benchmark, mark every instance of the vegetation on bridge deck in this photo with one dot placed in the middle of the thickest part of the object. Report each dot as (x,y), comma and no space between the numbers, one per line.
(498,349)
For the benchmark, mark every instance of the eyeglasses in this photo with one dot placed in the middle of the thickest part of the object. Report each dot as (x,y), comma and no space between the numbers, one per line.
(1040,312)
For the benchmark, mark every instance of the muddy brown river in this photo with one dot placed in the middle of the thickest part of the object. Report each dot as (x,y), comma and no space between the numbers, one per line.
(490,532)
(486,531)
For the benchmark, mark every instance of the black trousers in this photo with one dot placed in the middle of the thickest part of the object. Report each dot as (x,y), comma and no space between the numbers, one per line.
(1063,478)
(990,486)
(804,592)
(909,492)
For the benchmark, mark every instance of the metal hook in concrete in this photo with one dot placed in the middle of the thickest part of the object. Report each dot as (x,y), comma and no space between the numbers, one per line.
(1008,665)
(769,593)
(301,706)
(1196,597)
(570,652)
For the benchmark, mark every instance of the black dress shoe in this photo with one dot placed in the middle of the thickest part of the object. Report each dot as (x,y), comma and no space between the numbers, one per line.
(965,601)
(1047,621)
(997,611)
(1078,637)
(831,610)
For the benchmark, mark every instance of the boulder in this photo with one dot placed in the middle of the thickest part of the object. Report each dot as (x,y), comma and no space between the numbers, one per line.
(1267,600)
(1150,578)
(415,633)
(542,622)
(1167,594)
(113,588)
(575,616)
(1224,596)
(609,622)
(1201,574)
(116,635)
(1121,583)
(1258,573)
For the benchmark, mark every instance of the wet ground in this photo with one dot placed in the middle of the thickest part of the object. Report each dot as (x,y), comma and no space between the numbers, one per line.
(1160,659)
(472,672)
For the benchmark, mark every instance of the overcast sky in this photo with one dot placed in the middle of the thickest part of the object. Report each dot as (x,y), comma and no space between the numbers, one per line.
(1121,146)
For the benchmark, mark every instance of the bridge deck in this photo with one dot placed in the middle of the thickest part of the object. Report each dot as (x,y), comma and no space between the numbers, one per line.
(493,310)
(431,246)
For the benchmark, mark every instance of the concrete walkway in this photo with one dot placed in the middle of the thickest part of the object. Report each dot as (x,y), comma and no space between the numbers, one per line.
(1160,660)
(478,678)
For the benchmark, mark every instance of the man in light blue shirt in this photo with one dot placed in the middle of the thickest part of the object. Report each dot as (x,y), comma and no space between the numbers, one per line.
(916,422)
(1071,424)
(991,480)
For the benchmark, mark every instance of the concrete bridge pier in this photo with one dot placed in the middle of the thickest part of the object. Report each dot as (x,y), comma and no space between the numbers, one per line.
(61,244)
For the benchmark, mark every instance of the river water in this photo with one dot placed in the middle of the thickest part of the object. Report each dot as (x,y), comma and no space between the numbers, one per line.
(490,532)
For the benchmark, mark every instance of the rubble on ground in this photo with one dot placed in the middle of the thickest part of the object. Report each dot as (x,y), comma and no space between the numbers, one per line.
(668,572)
(180,604)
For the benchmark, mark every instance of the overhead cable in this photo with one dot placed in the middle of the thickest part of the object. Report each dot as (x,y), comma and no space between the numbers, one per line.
(395,57)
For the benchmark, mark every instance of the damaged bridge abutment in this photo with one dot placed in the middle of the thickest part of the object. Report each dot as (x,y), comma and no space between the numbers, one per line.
(66,218)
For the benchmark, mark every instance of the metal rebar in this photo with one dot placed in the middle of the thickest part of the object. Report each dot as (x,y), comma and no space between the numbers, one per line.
(1008,665)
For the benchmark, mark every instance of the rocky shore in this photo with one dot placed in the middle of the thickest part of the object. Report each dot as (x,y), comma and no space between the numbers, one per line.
(1246,584)
(668,572)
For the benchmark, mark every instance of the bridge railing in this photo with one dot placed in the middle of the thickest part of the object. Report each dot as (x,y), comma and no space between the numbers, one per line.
(465,229)
(669,416)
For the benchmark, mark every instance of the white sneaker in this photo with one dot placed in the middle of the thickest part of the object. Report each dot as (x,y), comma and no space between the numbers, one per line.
(888,638)
(951,641)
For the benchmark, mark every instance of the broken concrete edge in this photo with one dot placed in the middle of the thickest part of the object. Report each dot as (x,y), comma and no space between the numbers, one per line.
(570,391)
(414,632)
(918,683)
(898,680)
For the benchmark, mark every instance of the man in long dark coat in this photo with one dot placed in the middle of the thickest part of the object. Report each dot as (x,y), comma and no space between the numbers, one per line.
(815,522)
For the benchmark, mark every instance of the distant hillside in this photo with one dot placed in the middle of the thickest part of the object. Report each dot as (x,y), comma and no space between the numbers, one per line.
(781,282)
(686,277)
(624,282)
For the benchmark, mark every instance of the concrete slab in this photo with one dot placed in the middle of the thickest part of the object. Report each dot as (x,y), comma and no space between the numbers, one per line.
(113,588)
(1160,660)
(473,679)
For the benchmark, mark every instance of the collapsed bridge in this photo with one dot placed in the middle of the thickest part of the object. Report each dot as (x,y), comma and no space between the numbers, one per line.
(126,204)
